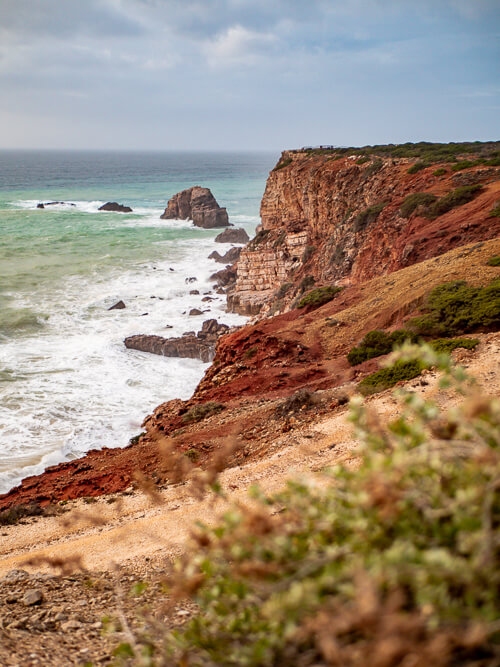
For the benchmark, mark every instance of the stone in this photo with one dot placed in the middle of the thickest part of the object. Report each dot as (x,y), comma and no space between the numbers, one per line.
(224,278)
(71,625)
(191,279)
(15,575)
(230,257)
(119,305)
(194,311)
(54,203)
(233,236)
(33,596)
(199,205)
(194,291)
(114,206)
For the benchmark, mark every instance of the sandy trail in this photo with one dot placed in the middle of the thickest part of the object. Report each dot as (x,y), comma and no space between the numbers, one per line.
(135,531)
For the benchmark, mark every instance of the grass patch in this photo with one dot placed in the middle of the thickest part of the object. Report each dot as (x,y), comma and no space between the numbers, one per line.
(373,168)
(16,513)
(368,216)
(283,163)
(495,211)
(457,197)
(303,399)
(388,377)
(317,297)
(202,411)
(494,261)
(450,344)
(363,159)
(456,308)
(192,454)
(439,172)
(418,166)
(414,201)
(376,343)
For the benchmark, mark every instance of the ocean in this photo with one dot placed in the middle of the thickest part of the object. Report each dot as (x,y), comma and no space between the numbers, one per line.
(67,382)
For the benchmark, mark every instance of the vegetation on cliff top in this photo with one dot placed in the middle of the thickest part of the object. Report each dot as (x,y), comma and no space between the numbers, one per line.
(395,561)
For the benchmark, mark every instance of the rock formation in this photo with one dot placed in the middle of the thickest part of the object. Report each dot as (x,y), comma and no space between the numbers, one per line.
(114,206)
(54,203)
(230,256)
(199,205)
(330,221)
(119,305)
(194,346)
(233,236)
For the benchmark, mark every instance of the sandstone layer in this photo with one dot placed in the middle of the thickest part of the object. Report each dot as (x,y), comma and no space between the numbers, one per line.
(199,205)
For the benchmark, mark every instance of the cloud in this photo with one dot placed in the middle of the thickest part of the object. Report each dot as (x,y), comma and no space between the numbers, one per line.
(238,46)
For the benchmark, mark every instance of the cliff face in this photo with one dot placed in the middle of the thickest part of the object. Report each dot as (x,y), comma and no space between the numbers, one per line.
(328,219)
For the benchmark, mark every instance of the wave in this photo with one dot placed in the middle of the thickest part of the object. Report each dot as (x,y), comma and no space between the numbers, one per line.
(23,320)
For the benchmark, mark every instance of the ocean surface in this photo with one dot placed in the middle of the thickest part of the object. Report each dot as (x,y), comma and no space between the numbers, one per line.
(67,382)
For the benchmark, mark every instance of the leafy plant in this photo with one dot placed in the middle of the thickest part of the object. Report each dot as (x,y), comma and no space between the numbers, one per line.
(317,297)
(283,163)
(201,411)
(400,371)
(494,261)
(418,166)
(450,344)
(368,216)
(373,168)
(439,172)
(376,343)
(414,201)
(455,198)
(495,211)
(363,159)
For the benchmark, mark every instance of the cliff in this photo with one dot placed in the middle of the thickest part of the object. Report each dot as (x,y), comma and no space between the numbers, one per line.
(336,218)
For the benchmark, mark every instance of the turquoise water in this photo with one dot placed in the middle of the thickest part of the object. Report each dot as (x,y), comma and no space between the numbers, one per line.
(67,383)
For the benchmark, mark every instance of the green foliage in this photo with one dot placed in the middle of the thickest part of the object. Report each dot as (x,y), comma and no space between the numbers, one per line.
(494,261)
(414,201)
(135,439)
(251,352)
(400,371)
(16,513)
(317,297)
(463,164)
(192,454)
(455,198)
(368,216)
(373,168)
(306,283)
(376,343)
(495,211)
(450,344)
(363,159)
(418,166)
(279,240)
(456,308)
(284,289)
(439,172)
(385,563)
(283,163)
(201,411)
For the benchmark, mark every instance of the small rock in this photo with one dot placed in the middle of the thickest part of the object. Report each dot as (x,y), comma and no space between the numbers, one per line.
(32,596)
(195,311)
(70,625)
(194,291)
(119,305)
(192,279)
(15,575)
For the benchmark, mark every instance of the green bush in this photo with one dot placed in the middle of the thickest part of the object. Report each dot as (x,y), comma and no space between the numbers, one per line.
(418,166)
(494,261)
(464,164)
(201,411)
(456,307)
(368,216)
(450,344)
(283,163)
(414,201)
(393,562)
(373,168)
(388,377)
(284,289)
(135,439)
(376,343)
(455,198)
(317,297)
(308,253)
(306,283)
(439,172)
(362,160)
(495,211)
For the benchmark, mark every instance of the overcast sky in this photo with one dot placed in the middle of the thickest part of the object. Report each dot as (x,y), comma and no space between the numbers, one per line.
(244,74)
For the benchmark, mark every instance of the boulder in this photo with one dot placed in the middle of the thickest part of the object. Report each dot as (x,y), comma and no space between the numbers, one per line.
(119,305)
(231,256)
(225,277)
(190,345)
(54,203)
(233,236)
(199,205)
(114,206)
(194,311)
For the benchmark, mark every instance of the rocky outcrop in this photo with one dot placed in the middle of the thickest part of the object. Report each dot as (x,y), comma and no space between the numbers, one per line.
(54,203)
(225,277)
(233,236)
(336,221)
(190,345)
(119,305)
(114,206)
(199,205)
(229,257)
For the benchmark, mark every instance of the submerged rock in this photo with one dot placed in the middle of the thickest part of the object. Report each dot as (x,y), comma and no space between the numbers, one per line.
(54,203)
(199,205)
(114,206)
(119,305)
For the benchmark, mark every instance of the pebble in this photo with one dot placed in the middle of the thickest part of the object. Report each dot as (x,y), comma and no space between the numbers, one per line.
(32,596)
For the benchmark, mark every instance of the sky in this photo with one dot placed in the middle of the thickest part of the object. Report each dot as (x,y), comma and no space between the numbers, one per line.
(247,74)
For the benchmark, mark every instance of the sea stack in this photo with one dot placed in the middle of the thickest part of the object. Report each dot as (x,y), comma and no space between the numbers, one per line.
(199,205)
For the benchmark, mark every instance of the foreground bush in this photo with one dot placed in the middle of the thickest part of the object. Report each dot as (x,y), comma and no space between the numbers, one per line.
(392,563)
(317,297)
(456,308)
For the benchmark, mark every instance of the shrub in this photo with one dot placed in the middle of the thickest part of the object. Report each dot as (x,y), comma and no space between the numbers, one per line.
(495,211)
(317,297)
(135,439)
(15,513)
(373,168)
(464,164)
(393,562)
(300,400)
(306,283)
(388,377)
(284,289)
(363,159)
(201,411)
(258,239)
(368,216)
(494,261)
(376,343)
(450,344)
(414,201)
(455,198)
(439,172)
(418,166)
(251,352)
(308,253)
(456,308)
(283,163)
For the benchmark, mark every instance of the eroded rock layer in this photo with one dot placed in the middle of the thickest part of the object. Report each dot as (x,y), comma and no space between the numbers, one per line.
(199,205)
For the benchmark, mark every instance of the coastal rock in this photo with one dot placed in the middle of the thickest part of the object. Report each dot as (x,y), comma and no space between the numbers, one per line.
(194,311)
(230,257)
(225,277)
(190,345)
(199,205)
(119,305)
(114,206)
(233,236)
(54,203)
